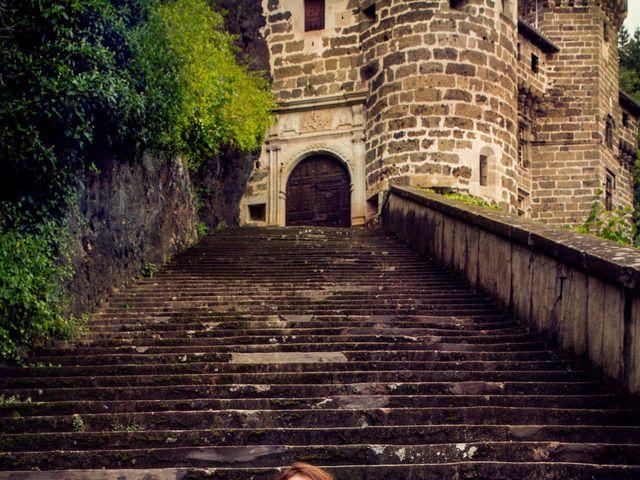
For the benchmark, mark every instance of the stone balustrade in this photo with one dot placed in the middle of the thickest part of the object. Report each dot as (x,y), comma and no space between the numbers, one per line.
(580,291)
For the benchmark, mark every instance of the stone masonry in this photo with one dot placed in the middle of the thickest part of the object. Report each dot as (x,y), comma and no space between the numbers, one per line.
(513,101)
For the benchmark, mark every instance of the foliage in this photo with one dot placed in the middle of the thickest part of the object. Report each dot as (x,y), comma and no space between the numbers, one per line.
(219,101)
(464,197)
(613,225)
(132,426)
(202,230)
(31,303)
(148,270)
(67,92)
(77,423)
(629,46)
(83,79)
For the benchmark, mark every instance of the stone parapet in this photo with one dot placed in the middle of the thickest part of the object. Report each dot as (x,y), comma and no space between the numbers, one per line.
(582,292)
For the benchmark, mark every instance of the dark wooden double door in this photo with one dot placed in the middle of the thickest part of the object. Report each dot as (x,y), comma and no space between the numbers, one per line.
(319,193)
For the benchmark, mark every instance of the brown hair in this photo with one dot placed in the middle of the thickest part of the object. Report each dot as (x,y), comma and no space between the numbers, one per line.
(299,468)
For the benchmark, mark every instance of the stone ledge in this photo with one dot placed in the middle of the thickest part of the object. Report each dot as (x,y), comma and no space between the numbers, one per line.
(601,258)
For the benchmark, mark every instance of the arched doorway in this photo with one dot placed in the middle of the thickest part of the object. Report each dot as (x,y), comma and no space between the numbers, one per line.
(319,193)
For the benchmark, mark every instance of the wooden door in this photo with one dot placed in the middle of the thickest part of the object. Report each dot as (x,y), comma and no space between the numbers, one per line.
(319,193)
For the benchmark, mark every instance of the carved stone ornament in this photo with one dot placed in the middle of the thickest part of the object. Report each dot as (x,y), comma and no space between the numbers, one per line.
(315,122)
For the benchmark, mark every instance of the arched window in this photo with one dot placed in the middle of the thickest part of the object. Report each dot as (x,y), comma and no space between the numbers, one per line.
(484,170)
(313,15)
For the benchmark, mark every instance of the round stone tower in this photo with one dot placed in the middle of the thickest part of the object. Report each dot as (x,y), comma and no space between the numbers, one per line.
(442,107)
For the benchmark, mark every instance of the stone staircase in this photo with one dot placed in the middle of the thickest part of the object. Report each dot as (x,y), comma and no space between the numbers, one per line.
(342,348)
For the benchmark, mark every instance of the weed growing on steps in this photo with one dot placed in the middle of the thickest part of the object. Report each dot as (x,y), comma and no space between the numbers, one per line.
(148,270)
(133,426)
(12,400)
(201,230)
(78,423)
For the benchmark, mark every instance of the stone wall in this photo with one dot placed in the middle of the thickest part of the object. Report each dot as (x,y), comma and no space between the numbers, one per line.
(127,215)
(312,63)
(442,85)
(580,291)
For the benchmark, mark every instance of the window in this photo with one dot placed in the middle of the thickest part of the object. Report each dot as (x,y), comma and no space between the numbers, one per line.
(524,142)
(609,187)
(519,52)
(625,119)
(534,63)
(313,15)
(457,4)
(608,132)
(370,12)
(606,31)
(484,170)
(523,202)
(258,213)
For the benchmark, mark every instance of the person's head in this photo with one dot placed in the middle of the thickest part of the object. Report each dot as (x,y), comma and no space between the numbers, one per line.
(304,471)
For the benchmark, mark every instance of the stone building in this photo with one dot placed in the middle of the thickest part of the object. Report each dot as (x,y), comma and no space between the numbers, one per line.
(513,101)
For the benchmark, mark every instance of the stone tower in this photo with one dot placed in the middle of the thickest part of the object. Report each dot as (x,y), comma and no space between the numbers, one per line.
(442,106)
(513,101)
(585,140)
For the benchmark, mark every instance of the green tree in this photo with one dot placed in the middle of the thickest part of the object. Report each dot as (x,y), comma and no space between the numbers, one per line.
(87,78)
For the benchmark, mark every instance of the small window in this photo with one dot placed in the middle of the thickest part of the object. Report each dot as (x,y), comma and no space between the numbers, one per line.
(370,12)
(313,15)
(608,190)
(484,170)
(608,132)
(457,4)
(524,142)
(258,212)
(523,202)
(605,27)
(535,63)
(519,52)
(625,119)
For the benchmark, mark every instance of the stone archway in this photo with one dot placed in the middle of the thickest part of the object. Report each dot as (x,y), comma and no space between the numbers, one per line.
(319,193)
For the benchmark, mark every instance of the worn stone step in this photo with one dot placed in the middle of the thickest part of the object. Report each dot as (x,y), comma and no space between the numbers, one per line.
(283,378)
(143,355)
(488,321)
(71,407)
(390,435)
(307,390)
(178,331)
(363,454)
(210,339)
(329,418)
(462,470)
(284,365)
(80,350)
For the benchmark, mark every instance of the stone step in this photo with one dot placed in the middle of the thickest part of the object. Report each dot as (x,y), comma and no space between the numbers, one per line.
(67,349)
(389,435)
(416,471)
(306,390)
(179,331)
(226,367)
(142,355)
(283,378)
(364,454)
(210,339)
(328,418)
(71,407)
(343,347)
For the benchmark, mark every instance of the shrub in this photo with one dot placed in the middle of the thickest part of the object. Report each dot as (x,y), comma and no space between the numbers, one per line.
(31,302)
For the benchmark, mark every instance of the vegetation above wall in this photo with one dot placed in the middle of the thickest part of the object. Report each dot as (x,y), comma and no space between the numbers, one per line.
(80,79)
